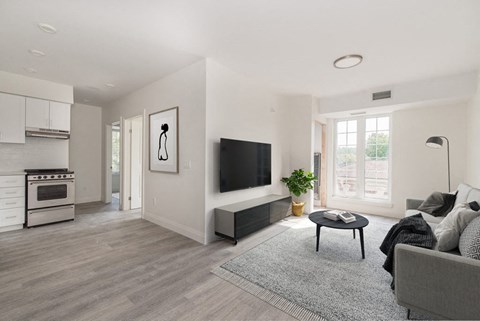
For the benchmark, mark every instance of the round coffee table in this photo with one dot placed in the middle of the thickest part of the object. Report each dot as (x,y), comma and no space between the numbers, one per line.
(359,224)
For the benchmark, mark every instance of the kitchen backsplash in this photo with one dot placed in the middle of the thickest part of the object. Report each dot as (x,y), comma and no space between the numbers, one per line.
(35,153)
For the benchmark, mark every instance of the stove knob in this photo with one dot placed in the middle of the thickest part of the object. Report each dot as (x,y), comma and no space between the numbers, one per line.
(53,176)
(59,176)
(64,176)
(44,176)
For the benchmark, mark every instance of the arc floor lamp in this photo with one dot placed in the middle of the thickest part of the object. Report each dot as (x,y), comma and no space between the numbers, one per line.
(437,142)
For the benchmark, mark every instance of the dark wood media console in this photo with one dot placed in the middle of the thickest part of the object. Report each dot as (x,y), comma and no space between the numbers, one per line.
(237,220)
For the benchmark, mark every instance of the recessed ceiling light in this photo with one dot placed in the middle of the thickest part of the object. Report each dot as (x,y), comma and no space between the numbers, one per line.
(347,61)
(47,28)
(109,85)
(31,70)
(36,53)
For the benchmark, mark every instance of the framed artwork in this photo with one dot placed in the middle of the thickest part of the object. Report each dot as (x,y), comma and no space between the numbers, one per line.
(163,127)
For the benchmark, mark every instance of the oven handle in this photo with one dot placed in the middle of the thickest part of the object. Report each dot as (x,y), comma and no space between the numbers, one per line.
(52,182)
(49,209)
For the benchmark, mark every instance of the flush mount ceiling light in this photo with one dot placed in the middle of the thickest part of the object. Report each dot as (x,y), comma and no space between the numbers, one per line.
(109,85)
(47,28)
(31,70)
(36,53)
(347,61)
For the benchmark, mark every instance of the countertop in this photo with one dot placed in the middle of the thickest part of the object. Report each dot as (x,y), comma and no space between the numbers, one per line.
(12,173)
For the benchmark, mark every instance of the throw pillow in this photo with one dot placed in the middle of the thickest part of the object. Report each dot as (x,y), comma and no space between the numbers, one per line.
(474,206)
(449,230)
(469,244)
(438,204)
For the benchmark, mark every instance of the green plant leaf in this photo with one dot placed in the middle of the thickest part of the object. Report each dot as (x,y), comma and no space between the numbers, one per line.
(299,182)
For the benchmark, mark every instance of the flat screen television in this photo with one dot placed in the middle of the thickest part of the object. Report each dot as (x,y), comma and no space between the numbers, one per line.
(244,164)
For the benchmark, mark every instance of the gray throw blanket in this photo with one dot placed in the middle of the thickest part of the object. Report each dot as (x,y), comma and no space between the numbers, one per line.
(412,230)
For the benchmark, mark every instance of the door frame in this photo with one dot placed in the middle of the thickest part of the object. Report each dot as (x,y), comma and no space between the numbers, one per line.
(108,163)
(126,162)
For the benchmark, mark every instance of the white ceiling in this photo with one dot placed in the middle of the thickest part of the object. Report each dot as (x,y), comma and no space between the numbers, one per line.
(287,45)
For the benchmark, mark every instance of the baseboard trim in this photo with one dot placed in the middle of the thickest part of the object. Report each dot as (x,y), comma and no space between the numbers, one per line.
(174,226)
(83,200)
(11,228)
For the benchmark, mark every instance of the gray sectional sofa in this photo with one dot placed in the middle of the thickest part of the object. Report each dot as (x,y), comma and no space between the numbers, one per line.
(445,285)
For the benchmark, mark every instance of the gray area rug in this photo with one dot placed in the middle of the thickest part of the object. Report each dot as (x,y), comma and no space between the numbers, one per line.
(333,284)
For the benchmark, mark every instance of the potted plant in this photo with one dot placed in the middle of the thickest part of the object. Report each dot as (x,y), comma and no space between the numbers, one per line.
(299,183)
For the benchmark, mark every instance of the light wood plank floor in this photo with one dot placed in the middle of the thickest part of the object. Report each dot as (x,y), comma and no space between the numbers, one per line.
(110,265)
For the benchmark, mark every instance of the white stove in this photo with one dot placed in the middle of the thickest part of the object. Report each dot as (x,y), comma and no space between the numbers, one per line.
(50,196)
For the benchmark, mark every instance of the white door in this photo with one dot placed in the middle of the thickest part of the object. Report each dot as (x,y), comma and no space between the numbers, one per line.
(59,116)
(12,119)
(108,163)
(37,113)
(125,168)
(136,162)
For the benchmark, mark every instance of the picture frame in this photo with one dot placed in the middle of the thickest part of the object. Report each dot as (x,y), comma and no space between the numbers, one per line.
(163,141)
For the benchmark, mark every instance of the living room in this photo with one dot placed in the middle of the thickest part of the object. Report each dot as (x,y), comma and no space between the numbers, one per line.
(268,81)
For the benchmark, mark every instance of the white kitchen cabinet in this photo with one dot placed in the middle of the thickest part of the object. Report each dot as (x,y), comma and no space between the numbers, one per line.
(59,116)
(12,119)
(38,113)
(12,202)
(47,114)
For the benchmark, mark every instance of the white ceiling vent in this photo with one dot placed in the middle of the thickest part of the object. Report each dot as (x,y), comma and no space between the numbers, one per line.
(382,95)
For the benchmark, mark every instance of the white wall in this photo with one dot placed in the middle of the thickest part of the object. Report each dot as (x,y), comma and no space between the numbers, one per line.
(35,153)
(454,87)
(180,198)
(416,169)
(317,138)
(86,152)
(239,109)
(299,136)
(32,87)
(472,175)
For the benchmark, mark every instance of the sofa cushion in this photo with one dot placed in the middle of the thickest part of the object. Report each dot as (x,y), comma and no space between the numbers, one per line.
(463,191)
(469,244)
(474,195)
(430,219)
(448,231)
(438,204)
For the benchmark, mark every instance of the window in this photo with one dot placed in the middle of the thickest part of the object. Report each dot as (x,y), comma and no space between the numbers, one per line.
(362,158)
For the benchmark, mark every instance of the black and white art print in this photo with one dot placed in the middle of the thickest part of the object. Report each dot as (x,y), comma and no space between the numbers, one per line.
(164,141)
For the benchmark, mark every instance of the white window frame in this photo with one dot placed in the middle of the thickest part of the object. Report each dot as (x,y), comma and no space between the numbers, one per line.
(360,165)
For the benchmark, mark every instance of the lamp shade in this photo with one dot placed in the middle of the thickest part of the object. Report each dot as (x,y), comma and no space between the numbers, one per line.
(434,142)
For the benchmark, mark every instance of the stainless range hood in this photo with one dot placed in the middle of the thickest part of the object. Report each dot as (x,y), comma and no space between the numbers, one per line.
(47,133)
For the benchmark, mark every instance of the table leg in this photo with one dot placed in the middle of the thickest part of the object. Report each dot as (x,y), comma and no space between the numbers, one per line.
(361,242)
(318,235)
(353,233)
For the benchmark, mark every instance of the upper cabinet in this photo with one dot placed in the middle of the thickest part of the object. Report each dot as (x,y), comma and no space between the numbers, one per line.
(38,113)
(47,114)
(12,119)
(59,116)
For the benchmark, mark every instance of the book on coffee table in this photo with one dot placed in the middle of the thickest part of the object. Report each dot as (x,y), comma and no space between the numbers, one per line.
(336,215)
(332,215)
(347,217)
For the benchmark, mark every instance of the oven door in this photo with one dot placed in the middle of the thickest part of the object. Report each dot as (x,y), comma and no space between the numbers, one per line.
(50,193)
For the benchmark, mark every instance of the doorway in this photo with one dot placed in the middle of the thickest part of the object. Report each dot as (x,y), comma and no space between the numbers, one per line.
(112,177)
(132,163)
(115,164)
